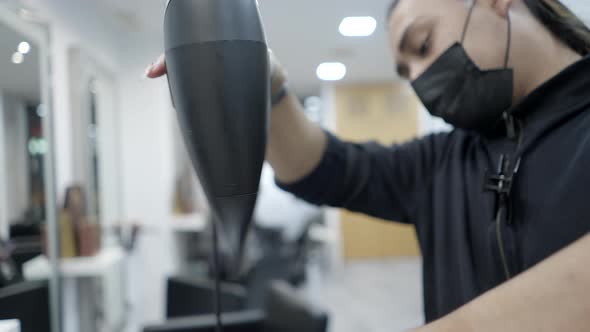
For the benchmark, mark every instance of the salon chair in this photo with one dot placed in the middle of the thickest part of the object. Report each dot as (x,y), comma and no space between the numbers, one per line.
(26,239)
(276,259)
(29,303)
(190,297)
(284,311)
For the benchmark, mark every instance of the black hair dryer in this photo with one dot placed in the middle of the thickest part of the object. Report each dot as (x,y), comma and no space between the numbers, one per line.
(218,73)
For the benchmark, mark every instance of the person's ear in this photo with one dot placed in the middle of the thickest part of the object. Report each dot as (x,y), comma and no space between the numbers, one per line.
(502,7)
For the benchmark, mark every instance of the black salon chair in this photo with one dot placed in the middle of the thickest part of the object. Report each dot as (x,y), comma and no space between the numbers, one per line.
(275,259)
(245,321)
(26,239)
(191,297)
(285,311)
(29,303)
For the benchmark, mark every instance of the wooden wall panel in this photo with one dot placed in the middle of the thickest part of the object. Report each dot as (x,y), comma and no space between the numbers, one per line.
(388,114)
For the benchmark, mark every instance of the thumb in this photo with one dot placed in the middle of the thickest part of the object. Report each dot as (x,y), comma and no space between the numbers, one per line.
(156,69)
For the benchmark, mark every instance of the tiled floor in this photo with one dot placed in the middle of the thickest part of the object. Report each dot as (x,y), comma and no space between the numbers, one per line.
(374,296)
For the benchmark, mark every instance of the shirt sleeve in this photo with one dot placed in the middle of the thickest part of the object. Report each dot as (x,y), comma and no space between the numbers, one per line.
(380,181)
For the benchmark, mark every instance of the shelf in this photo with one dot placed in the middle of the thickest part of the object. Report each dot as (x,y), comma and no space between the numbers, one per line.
(9,325)
(189,223)
(323,234)
(40,268)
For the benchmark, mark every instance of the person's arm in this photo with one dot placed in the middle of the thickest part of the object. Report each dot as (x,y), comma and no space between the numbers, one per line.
(553,296)
(295,145)
(381,181)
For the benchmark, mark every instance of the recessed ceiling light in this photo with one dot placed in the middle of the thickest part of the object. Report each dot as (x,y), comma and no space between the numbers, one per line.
(331,71)
(41,110)
(24,47)
(18,58)
(358,26)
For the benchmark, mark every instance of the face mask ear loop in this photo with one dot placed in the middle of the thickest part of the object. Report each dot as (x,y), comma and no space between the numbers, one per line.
(509,42)
(464,34)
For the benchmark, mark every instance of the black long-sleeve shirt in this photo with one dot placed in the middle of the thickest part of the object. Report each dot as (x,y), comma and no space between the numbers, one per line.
(473,238)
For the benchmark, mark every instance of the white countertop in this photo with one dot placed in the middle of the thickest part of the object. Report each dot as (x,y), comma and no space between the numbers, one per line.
(39,267)
(189,223)
(12,325)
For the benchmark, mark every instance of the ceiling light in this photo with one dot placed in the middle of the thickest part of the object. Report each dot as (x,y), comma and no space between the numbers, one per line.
(41,111)
(18,58)
(331,71)
(360,26)
(24,47)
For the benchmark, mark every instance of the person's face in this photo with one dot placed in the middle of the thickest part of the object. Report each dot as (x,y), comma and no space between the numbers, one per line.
(421,30)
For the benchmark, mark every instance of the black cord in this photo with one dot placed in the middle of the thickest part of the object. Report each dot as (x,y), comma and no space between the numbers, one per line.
(216,272)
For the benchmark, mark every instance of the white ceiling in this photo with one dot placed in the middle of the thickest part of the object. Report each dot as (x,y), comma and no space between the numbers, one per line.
(304,33)
(20,80)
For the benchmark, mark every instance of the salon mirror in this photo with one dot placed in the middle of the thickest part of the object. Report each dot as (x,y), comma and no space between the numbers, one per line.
(27,200)
(96,141)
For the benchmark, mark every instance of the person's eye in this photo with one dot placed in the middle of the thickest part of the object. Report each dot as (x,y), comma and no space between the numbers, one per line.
(425,47)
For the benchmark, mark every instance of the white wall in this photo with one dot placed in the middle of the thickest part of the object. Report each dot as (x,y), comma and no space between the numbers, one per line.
(148,168)
(150,164)
(15,149)
(14,186)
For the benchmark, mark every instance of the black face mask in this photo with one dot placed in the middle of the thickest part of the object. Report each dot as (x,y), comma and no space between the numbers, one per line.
(457,90)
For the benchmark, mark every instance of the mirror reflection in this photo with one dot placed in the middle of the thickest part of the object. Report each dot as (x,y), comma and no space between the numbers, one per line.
(23,144)
(24,302)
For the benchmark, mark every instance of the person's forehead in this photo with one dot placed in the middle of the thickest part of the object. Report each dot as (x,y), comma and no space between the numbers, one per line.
(407,11)
(403,15)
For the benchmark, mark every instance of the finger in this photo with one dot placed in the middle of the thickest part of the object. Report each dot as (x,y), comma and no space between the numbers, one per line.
(156,69)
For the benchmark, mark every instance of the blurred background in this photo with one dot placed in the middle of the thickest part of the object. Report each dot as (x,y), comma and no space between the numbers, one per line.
(90,154)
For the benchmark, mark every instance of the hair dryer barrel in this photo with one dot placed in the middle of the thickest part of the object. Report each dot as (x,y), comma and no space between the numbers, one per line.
(218,72)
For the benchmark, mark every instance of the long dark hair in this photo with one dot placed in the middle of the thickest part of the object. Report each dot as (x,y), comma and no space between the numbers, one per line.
(563,23)
(557,18)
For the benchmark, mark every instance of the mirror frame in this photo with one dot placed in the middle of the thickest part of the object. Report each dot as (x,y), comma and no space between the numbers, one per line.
(38,33)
